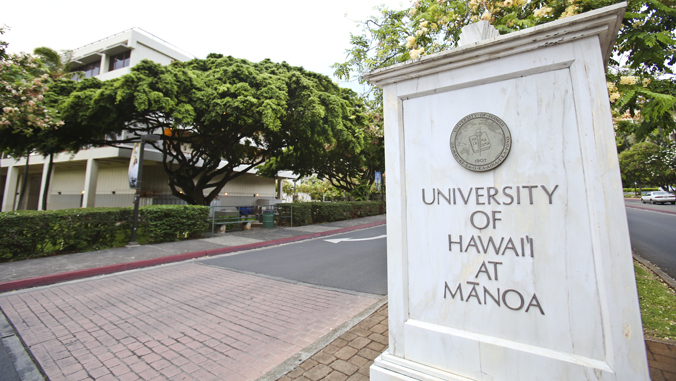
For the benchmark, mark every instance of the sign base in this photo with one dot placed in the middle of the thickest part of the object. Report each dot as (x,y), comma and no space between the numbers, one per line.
(390,368)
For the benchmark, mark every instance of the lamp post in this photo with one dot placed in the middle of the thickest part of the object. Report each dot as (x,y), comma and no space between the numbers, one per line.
(137,192)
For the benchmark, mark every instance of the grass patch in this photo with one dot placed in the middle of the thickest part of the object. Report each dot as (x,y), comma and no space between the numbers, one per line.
(658,304)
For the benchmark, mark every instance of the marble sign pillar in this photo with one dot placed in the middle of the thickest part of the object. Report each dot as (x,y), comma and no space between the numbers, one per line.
(508,247)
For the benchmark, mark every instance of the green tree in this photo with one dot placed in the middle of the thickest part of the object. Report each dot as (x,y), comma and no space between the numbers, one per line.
(3,44)
(641,81)
(647,163)
(350,163)
(25,116)
(317,189)
(220,116)
(662,166)
(56,64)
(50,141)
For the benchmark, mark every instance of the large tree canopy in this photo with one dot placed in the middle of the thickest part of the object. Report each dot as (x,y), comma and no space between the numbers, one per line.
(349,163)
(28,122)
(640,78)
(220,116)
(647,163)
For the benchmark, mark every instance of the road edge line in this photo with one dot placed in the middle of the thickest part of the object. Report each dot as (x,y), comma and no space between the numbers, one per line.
(45,280)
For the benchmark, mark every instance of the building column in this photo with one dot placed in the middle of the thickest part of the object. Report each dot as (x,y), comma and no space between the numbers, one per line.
(43,184)
(104,67)
(91,178)
(10,188)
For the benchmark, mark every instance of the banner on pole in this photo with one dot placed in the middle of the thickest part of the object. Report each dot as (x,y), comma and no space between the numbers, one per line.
(133,165)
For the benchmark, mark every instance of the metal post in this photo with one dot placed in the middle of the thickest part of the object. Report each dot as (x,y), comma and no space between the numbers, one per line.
(213,219)
(291,215)
(137,192)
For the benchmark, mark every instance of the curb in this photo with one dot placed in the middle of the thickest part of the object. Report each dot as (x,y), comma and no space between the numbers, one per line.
(665,277)
(652,210)
(86,273)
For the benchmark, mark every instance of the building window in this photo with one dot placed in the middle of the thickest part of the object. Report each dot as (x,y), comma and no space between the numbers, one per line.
(89,70)
(119,61)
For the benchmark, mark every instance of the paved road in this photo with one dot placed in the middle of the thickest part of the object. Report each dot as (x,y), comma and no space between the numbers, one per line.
(653,234)
(347,265)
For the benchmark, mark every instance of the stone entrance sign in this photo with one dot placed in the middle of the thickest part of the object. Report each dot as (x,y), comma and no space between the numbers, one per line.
(508,247)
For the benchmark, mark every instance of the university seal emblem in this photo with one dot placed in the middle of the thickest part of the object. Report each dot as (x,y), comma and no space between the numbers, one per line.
(480,141)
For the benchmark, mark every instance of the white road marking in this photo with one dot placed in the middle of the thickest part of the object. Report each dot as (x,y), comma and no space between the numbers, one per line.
(354,239)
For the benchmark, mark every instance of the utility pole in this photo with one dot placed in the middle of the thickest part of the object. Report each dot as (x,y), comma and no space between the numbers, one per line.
(137,193)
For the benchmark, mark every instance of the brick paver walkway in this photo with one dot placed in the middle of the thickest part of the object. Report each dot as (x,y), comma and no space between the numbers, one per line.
(178,322)
(348,357)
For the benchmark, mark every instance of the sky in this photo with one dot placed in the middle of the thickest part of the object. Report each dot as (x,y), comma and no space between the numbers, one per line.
(309,33)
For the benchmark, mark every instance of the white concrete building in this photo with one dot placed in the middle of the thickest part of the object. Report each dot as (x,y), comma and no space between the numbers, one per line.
(98,176)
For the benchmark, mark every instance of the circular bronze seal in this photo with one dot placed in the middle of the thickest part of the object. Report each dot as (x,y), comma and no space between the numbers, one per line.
(480,141)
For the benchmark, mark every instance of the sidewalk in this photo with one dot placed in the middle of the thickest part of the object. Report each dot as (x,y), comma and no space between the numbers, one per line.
(50,270)
(180,321)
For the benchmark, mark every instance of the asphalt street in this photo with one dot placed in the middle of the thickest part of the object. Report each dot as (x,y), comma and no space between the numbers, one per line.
(7,371)
(362,265)
(652,234)
(15,365)
(359,266)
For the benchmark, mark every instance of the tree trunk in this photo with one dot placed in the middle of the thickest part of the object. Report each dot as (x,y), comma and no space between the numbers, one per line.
(626,142)
(49,177)
(659,133)
(24,183)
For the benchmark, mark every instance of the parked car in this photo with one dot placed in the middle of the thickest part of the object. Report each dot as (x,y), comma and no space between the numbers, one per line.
(659,197)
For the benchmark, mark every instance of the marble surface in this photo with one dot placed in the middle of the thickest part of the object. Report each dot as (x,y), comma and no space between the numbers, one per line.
(552,295)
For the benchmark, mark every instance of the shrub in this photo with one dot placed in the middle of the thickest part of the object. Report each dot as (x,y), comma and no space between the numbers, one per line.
(339,211)
(166,223)
(320,212)
(302,214)
(23,233)
(647,189)
(26,234)
(87,228)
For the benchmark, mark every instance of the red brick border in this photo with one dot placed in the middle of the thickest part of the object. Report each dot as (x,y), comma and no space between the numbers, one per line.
(651,210)
(86,273)
(661,359)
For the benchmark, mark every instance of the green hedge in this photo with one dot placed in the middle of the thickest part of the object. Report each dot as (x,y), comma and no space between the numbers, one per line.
(302,214)
(165,223)
(27,234)
(318,212)
(627,190)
